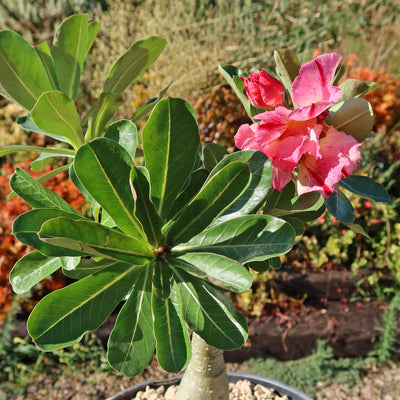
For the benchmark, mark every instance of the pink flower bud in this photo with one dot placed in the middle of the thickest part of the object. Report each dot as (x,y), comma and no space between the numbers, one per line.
(263,90)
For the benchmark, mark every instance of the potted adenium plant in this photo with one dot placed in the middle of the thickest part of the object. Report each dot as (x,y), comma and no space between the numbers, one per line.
(172,236)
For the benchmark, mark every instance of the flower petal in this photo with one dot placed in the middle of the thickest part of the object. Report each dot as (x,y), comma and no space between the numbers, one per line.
(313,84)
(340,156)
(244,138)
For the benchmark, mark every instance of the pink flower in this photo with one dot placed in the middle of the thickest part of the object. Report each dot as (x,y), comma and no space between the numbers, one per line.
(339,157)
(263,90)
(299,137)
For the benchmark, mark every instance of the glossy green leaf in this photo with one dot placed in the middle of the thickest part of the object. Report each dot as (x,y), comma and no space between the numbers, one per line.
(340,207)
(102,113)
(145,210)
(131,343)
(232,75)
(252,237)
(266,265)
(70,47)
(36,195)
(366,187)
(96,240)
(55,113)
(93,29)
(125,133)
(196,182)
(23,78)
(44,52)
(219,269)
(133,63)
(54,151)
(162,278)
(103,167)
(64,316)
(170,144)
(261,177)
(88,266)
(70,263)
(27,225)
(296,223)
(213,153)
(209,313)
(288,67)
(171,333)
(29,125)
(31,269)
(148,107)
(39,163)
(213,199)
(307,207)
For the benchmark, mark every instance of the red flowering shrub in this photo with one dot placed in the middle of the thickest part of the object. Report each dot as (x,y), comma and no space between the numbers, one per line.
(10,248)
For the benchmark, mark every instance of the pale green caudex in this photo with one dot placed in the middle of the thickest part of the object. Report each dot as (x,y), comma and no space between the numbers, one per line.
(169,239)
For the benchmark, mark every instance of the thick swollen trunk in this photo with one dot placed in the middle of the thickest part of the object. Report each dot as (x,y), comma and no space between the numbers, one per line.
(205,376)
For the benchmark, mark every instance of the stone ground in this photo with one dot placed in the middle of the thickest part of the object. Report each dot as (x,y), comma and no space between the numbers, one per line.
(378,383)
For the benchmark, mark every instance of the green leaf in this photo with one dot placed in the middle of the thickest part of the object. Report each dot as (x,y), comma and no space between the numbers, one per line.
(288,67)
(93,29)
(36,195)
(44,52)
(170,144)
(39,163)
(102,113)
(209,313)
(89,266)
(261,177)
(296,223)
(27,225)
(23,78)
(232,75)
(131,343)
(145,211)
(252,237)
(162,279)
(55,152)
(125,133)
(266,265)
(213,153)
(148,107)
(173,344)
(214,198)
(70,47)
(31,269)
(219,269)
(366,187)
(64,316)
(96,240)
(103,167)
(353,88)
(196,182)
(285,204)
(133,63)
(55,113)
(29,125)
(340,207)
(359,230)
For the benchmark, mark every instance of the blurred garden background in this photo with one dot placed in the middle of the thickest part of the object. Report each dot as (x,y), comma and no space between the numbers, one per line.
(330,272)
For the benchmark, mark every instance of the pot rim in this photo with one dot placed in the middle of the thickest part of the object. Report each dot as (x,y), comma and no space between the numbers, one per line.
(280,387)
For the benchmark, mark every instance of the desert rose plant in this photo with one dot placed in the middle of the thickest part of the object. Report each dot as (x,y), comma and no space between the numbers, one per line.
(171,237)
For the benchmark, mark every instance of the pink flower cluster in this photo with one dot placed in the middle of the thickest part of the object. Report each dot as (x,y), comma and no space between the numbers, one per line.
(299,139)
